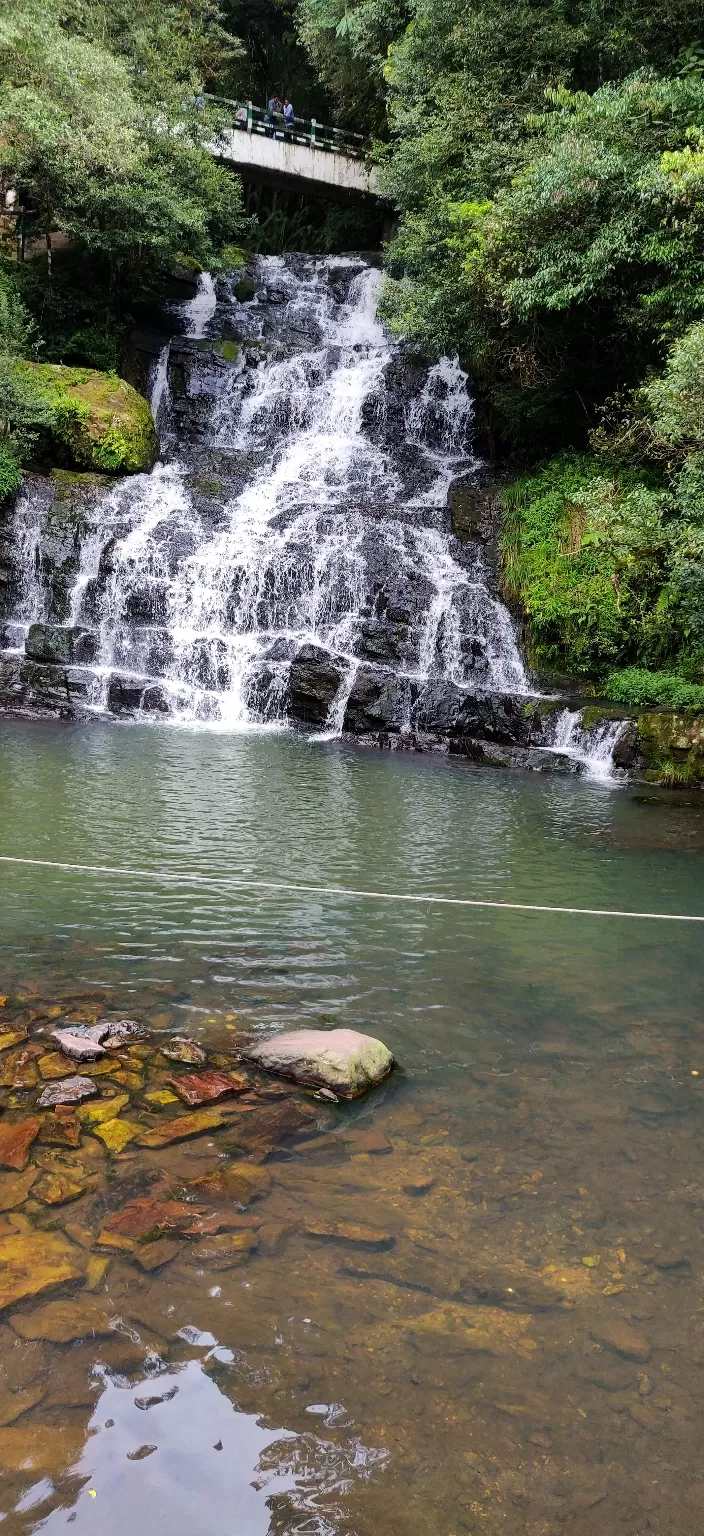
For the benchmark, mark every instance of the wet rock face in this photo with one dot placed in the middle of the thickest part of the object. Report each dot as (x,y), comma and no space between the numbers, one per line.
(313,681)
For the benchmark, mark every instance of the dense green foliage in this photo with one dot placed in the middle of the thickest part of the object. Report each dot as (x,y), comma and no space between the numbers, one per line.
(605,559)
(640,688)
(548,166)
(103,131)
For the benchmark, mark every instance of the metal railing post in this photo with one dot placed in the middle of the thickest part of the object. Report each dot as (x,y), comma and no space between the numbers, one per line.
(312,133)
(249,117)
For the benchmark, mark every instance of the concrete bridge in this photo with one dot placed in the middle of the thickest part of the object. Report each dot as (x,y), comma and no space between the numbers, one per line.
(305,156)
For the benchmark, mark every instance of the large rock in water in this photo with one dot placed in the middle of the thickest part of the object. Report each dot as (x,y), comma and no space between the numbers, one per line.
(340,1059)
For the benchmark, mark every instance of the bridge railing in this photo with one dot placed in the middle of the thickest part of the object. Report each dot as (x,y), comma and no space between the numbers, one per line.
(301,130)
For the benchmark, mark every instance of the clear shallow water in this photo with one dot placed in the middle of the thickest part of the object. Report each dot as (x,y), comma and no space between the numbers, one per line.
(544,1112)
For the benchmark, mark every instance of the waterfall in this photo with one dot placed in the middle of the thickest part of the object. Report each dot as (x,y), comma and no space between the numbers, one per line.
(592,746)
(301,501)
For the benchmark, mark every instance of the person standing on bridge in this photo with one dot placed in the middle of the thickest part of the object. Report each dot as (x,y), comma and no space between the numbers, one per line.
(274,110)
(289,114)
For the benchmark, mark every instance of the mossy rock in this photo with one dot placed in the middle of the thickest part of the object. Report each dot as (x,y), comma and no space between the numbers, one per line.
(99,419)
(244,290)
(672,747)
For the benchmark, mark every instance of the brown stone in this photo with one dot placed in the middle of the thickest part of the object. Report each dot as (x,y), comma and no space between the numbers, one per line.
(184,1050)
(14,1404)
(197,1088)
(62,1321)
(146,1219)
(241,1182)
(152,1255)
(369,1141)
(57,1188)
(272,1236)
(186,1125)
(19,1070)
(224,1252)
(15,1187)
(15,1142)
(260,1133)
(646,1417)
(34,1262)
(355,1233)
(61,1128)
(55,1065)
(620,1337)
(232,1221)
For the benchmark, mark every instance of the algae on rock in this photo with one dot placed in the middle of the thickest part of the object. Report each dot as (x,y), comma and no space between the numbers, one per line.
(99,420)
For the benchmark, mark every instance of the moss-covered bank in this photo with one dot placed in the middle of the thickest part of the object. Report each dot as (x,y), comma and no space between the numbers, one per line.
(99,422)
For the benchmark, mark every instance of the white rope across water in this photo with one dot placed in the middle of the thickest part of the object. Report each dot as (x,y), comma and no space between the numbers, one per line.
(351,893)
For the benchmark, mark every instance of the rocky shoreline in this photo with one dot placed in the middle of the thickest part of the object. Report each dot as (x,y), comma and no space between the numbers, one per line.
(51,678)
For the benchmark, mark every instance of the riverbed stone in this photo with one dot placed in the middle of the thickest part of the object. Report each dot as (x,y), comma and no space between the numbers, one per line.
(11,1037)
(55,1065)
(68,1090)
(354,1234)
(117,1134)
(188,1051)
(196,1089)
(146,1219)
(15,1142)
(34,1262)
(19,1070)
(57,1188)
(343,1060)
(152,1256)
(81,1045)
(180,1129)
(91,1115)
(15,1187)
(61,1127)
(241,1182)
(259,1133)
(623,1339)
(62,1321)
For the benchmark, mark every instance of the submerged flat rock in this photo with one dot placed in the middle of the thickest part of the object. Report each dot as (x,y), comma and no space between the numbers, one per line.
(68,1090)
(63,1321)
(15,1142)
(34,1262)
(198,1088)
(342,1060)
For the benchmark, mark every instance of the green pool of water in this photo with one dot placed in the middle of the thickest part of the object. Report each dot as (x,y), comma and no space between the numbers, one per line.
(544,1186)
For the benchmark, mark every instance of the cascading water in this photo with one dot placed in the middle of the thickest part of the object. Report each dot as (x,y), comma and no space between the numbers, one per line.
(300,501)
(593,746)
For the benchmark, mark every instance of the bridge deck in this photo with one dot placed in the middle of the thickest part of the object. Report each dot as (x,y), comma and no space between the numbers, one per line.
(305,155)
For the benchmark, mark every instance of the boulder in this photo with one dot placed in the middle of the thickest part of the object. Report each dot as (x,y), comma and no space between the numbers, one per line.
(58,643)
(314,679)
(342,1060)
(378,700)
(99,421)
(124,694)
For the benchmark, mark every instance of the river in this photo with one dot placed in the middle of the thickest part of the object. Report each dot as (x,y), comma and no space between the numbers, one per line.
(523,1348)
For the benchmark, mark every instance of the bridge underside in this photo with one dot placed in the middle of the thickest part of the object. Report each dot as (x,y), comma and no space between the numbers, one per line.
(274,162)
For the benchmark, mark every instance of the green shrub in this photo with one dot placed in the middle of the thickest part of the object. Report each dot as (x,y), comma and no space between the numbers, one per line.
(10,473)
(584,553)
(637,686)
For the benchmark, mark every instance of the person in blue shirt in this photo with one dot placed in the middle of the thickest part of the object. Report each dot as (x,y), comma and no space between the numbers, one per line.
(288,113)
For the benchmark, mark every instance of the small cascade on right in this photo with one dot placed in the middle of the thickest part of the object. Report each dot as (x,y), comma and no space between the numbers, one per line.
(590,745)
